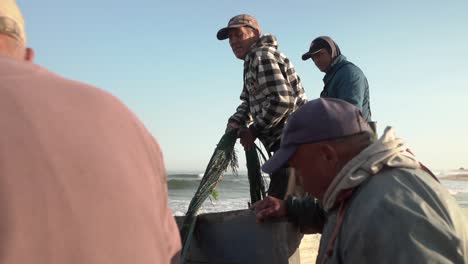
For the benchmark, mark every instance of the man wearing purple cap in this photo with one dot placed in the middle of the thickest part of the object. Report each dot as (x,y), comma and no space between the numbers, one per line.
(272,89)
(375,203)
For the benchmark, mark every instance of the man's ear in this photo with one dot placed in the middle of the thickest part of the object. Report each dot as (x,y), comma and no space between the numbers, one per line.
(329,154)
(256,32)
(29,55)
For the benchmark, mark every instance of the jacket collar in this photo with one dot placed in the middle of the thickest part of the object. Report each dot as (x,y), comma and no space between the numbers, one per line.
(388,151)
(335,66)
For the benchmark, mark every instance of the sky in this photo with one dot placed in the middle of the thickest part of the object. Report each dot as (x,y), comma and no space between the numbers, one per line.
(162,59)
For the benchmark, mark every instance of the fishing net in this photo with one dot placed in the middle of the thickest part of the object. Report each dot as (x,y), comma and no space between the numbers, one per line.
(224,156)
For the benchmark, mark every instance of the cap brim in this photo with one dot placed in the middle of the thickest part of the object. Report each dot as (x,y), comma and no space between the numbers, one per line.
(306,56)
(279,159)
(309,54)
(224,32)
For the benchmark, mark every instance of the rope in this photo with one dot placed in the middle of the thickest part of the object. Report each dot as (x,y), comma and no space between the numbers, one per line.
(256,183)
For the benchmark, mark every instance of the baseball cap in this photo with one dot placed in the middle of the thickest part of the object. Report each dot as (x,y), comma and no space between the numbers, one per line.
(318,120)
(11,20)
(316,45)
(238,21)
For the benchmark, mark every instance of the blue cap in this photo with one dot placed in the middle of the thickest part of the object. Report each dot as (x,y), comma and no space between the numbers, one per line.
(318,120)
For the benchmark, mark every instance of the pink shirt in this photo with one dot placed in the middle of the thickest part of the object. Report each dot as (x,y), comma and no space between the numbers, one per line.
(81,179)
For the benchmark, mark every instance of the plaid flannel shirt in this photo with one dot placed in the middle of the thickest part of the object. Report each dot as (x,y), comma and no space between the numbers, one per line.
(272,91)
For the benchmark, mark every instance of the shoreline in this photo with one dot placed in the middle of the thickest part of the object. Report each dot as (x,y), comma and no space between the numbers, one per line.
(456,177)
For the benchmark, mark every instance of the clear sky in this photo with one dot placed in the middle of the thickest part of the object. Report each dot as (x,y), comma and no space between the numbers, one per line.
(163,60)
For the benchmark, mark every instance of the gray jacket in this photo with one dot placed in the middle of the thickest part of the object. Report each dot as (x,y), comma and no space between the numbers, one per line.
(397,213)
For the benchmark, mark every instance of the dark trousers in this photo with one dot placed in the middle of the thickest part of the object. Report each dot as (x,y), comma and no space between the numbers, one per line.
(279,183)
(278,179)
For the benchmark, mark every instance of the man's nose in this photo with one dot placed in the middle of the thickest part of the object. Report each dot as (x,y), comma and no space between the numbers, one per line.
(232,41)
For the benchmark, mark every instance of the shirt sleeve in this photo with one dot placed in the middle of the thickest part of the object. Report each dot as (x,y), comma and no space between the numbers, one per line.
(307,213)
(279,96)
(242,115)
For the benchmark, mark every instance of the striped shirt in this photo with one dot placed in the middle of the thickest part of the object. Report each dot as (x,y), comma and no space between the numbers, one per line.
(272,91)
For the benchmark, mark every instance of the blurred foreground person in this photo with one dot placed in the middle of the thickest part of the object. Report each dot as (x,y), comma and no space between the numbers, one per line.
(81,179)
(375,202)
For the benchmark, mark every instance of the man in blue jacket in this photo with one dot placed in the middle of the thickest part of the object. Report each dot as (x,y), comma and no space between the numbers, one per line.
(343,79)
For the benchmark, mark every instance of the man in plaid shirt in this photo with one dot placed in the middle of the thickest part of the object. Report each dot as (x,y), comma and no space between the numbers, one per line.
(272,90)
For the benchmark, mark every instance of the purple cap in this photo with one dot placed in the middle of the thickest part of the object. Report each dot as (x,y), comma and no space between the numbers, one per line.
(318,120)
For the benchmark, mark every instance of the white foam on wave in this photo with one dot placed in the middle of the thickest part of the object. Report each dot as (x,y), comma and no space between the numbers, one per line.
(179,207)
(455,187)
(178,213)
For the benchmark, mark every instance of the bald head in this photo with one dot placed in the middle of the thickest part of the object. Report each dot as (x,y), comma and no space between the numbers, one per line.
(13,48)
(12,32)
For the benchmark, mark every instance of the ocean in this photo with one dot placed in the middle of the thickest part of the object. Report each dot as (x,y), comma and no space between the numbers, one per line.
(233,191)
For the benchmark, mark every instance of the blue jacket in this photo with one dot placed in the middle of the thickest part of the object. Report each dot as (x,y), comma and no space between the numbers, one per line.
(346,81)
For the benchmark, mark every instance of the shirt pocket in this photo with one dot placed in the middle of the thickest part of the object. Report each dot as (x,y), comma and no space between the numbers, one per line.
(252,85)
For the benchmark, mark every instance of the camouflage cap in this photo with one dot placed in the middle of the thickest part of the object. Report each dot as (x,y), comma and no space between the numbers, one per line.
(238,21)
(11,20)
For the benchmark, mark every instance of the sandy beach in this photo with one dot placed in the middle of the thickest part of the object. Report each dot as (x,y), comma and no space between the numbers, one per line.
(310,244)
(309,248)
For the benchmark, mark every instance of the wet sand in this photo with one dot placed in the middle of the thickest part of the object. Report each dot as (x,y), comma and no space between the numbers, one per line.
(310,244)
